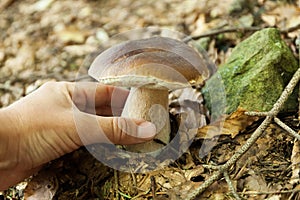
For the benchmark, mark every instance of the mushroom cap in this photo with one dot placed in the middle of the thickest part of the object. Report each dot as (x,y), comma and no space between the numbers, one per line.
(157,62)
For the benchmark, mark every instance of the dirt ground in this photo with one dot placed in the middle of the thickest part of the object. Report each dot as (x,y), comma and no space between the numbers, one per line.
(46,40)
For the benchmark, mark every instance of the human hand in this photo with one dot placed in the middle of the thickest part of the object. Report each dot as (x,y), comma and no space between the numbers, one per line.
(41,127)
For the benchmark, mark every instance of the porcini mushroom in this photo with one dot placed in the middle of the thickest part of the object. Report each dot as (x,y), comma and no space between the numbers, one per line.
(151,67)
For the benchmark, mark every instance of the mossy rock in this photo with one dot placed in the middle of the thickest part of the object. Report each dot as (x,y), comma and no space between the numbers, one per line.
(254,75)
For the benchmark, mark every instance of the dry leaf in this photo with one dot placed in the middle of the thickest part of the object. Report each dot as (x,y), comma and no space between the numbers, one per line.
(41,5)
(227,125)
(217,191)
(256,183)
(197,171)
(43,186)
(79,50)
(283,16)
(219,9)
(71,35)
(24,58)
(188,100)
(2,55)
(274,197)
(200,25)
(269,19)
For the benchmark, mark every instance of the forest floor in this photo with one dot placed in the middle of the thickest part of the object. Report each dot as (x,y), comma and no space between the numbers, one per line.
(51,40)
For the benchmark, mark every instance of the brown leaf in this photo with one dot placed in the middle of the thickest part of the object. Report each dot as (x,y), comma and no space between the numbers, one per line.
(283,16)
(71,35)
(227,125)
(256,183)
(42,186)
(24,58)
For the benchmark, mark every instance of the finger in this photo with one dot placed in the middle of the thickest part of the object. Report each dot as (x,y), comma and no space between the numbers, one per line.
(117,130)
(108,111)
(114,106)
(121,130)
(94,97)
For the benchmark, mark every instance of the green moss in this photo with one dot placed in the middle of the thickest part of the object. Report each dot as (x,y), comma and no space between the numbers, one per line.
(255,74)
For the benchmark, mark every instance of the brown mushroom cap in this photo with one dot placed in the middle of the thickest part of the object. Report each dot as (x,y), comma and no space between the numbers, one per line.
(155,62)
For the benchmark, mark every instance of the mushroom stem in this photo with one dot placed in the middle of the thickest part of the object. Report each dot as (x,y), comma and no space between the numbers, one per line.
(151,105)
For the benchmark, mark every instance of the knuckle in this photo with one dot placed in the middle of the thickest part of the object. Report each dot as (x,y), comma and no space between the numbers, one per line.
(49,84)
(123,129)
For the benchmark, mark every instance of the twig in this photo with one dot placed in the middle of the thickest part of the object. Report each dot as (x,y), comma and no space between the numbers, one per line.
(225,30)
(283,97)
(297,43)
(286,92)
(231,187)
(217,175)
(287,128)
(213,167)
(124,195)
(259,114)
(141,194)
(296,147)
(134,182)
(153,186)
(116,185)
(237,29)
(265,193)
(299,96)
(257,133)
(290,29)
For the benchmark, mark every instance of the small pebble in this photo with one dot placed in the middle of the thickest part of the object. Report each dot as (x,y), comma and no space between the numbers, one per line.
(102,36)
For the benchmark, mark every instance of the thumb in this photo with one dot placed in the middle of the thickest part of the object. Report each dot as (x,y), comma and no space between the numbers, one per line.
(121,130)
(117,130)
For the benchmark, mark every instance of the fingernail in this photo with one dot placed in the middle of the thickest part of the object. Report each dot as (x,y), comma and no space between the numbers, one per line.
(146,130)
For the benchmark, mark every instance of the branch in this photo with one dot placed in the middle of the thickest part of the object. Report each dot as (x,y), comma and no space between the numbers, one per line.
(287,128)
(264,193)
(290,29)
(238,29)
(225,30)
(257,133)
(217,175)
(231,187)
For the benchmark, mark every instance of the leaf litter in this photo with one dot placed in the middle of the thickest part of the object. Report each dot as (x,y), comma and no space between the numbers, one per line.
(48,40)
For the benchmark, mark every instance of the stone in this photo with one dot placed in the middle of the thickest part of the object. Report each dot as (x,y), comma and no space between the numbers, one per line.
(254,75)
